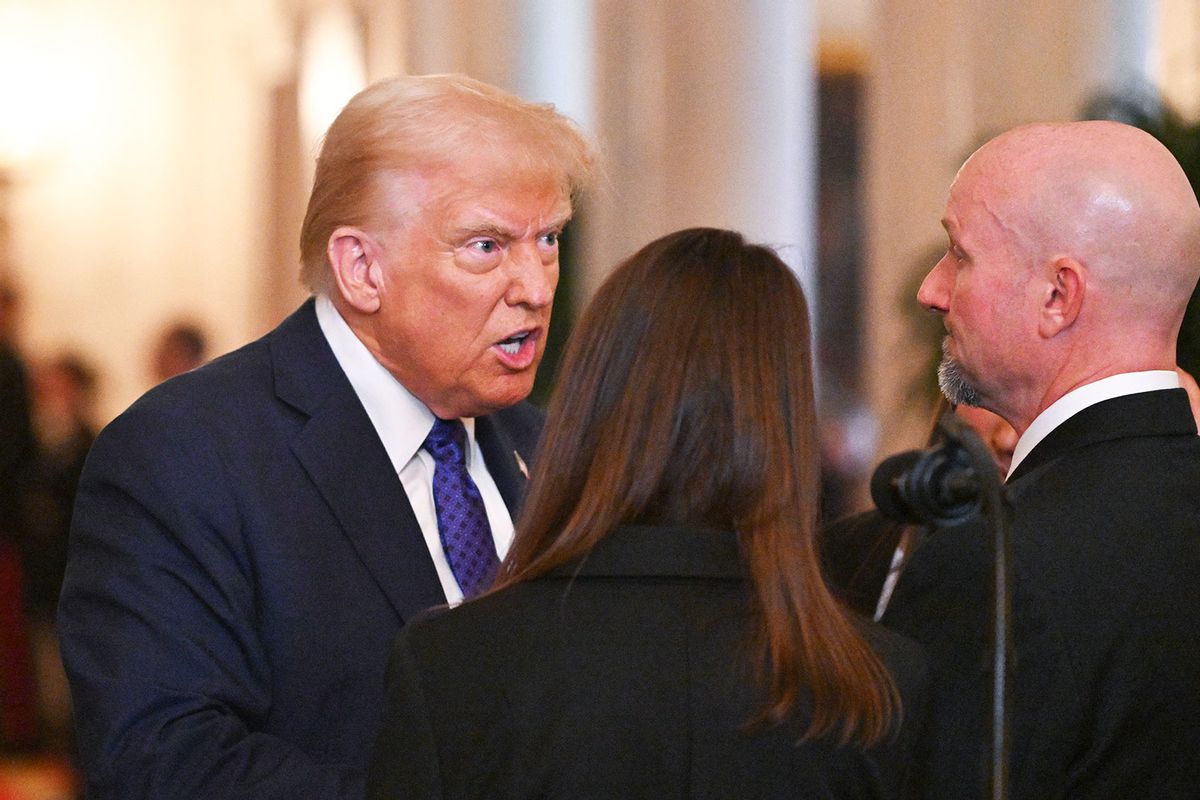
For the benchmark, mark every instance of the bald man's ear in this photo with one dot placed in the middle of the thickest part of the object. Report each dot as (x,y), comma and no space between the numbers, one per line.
(1063,297)
(355,271)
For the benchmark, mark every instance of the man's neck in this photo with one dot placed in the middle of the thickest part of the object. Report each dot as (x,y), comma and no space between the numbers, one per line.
(1081,397)
(1072,377)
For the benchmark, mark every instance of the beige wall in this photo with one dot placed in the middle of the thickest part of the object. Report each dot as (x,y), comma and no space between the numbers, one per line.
(144,198)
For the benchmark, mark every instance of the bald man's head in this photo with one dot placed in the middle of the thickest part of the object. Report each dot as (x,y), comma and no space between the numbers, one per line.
(1073,251)
(1107,194)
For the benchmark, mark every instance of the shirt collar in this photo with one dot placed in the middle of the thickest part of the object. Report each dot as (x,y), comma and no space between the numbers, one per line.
(1089,394)
(401,420)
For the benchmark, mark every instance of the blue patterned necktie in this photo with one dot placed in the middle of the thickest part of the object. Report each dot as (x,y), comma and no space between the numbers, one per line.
(461,517)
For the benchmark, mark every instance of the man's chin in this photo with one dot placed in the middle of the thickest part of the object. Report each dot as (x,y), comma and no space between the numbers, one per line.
(955,385)
(508,391)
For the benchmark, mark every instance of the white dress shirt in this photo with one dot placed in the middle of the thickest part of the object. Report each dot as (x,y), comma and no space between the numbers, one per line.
(1089,394)
(402,422)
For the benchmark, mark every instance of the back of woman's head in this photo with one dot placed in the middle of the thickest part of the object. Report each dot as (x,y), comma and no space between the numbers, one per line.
(686,397)
(686,388)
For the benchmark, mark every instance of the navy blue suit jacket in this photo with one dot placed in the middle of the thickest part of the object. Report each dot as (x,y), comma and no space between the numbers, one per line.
(242,555)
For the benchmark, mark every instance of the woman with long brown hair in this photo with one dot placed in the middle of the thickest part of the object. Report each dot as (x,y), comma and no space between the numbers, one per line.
(660,627)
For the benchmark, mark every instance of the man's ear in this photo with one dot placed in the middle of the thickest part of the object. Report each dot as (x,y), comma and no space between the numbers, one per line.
(355,272)
(1063,296)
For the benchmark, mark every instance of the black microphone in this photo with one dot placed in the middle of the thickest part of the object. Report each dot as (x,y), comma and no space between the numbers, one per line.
(945,485)
(938,486)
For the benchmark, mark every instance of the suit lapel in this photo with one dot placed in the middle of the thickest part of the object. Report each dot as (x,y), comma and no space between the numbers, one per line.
(1156,413)
(347,462)
(504,462)
(341,452)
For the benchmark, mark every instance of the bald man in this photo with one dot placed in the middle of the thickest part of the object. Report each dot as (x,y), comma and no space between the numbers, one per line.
(1072,252)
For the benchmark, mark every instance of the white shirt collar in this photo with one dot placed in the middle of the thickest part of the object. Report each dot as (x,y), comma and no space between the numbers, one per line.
(1089,394)
(401,420)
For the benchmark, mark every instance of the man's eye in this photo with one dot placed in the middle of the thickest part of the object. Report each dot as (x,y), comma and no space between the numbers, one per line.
(485,246)
(551,239)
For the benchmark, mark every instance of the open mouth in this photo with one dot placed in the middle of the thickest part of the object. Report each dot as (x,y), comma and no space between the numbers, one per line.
(512,345)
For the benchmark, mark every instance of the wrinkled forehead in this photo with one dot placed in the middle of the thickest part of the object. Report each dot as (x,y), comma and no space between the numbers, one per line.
(472,195)
(1014,188)
(982,202)
(998,170)
(486,169)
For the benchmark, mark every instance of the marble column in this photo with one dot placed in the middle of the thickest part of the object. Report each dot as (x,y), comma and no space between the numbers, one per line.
(706,111)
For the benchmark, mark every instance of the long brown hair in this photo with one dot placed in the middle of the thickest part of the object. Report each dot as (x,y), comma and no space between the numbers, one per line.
(686,397)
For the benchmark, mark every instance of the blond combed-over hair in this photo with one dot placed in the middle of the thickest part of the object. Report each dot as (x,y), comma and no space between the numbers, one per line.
(423,123)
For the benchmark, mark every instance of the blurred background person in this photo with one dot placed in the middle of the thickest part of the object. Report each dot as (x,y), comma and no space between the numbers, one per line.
(997,434)
(17,442)
(661,622)
(179,348)
(64,395)
(863,554)
(18,717)
(1188,383)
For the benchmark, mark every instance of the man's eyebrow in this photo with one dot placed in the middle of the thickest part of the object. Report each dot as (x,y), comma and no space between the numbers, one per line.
(491,229)
(498,231)
(948,225)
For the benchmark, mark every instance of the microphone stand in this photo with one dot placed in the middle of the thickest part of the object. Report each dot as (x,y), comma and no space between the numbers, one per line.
(998,512)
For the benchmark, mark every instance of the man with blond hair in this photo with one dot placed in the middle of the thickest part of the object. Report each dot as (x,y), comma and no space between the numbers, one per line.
(250,536)
(1073,249)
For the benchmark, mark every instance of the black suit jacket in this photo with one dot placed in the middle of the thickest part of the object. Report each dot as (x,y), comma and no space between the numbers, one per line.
(856,557)
(1105,677)
(242,555)
(619,677)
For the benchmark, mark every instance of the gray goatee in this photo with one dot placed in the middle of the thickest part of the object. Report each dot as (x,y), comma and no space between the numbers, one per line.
(953,382)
